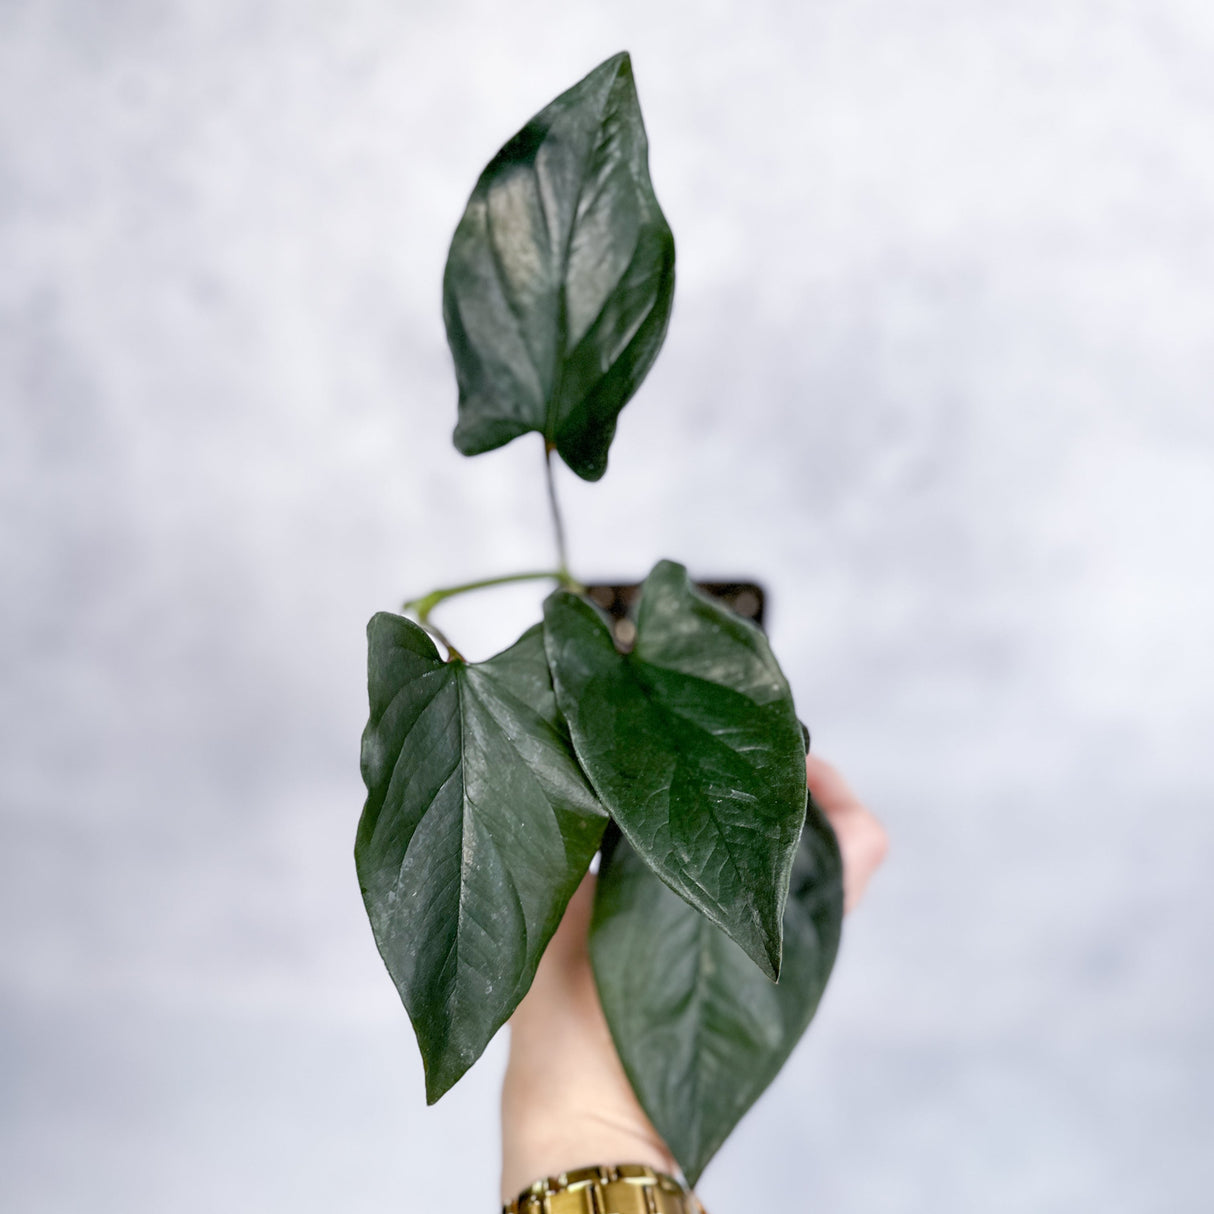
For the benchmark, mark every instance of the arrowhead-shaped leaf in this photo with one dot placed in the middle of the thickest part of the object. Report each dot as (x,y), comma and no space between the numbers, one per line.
(701,1032)
(692,743)
(560,278)
(477,829)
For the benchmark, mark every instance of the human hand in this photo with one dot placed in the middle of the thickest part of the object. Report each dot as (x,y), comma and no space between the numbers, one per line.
(566,1101)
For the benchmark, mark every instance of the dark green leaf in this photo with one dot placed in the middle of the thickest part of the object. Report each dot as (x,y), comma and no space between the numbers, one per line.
(478,827)
(560,278)
(700,1030)
(693,745)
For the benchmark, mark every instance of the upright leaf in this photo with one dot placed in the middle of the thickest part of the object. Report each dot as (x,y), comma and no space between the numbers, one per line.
(701,1032)
(692,743)
(560,278)
(477,829)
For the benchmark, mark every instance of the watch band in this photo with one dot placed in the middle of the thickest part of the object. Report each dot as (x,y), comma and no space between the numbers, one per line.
(626,1188)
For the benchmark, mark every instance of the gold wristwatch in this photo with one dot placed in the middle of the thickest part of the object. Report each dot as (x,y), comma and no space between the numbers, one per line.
(626,1188)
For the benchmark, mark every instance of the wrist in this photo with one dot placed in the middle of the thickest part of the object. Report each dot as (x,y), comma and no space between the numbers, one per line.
(531,1155)
(547,1133)
(624,1188)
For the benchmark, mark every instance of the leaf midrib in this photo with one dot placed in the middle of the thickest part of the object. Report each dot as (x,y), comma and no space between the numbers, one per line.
(560,350)
(469,808)
(661,707)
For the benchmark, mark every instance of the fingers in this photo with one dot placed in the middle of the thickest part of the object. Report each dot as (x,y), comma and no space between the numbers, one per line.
(565,1097)
(564,970)
(863,842)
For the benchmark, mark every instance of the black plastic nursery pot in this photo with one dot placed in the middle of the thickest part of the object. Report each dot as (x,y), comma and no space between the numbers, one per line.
(619,600)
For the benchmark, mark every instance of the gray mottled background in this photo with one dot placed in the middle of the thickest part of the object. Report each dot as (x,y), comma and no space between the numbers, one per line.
(940,372)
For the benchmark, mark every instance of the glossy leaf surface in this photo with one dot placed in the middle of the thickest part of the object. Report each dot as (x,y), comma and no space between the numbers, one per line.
(477,828)
(701,1032)
(692,743)
(560,277)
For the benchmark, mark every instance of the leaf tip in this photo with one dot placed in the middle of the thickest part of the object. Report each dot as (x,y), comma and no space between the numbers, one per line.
(621,60)
(440,1079)
(774,960)
(666,568)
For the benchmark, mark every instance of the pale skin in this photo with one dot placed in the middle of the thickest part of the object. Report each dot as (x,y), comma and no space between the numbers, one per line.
(565,1100)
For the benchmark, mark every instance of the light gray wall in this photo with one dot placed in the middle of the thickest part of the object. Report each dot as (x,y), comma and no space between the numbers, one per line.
(939,373)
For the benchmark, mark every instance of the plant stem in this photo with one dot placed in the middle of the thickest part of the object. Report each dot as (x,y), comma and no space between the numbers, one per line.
(557,523)
(427,603)
(422,607)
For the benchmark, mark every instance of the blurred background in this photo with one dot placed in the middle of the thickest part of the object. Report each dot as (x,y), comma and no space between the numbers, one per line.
(939,374)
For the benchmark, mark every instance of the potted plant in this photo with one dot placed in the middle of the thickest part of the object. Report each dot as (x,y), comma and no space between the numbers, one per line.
(661,735)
